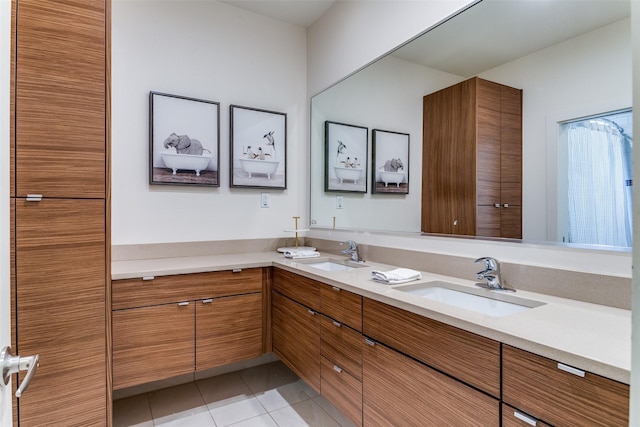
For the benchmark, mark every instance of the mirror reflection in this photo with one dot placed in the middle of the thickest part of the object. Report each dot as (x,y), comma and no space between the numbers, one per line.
(569,70)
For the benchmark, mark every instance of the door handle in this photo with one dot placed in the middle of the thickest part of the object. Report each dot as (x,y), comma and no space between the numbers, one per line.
(13,364)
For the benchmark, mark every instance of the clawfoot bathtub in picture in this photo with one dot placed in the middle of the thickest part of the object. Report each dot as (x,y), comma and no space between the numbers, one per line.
(347,174)
(391,177)
(197,163)
(257,166)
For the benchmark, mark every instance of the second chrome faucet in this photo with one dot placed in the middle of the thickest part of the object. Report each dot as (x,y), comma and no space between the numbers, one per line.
(492,275)
(352,250)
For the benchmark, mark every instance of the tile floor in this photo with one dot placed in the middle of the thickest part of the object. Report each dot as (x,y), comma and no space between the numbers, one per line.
(263,396)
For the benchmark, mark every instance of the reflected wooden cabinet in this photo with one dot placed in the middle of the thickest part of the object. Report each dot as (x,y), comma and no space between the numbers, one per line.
(179,324)
(472,160)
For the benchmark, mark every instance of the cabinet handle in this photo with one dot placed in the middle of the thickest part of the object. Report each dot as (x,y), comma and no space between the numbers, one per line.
(506,205)
(311,312)
(10,365)
(497,205)
(207,301)
(335,288)
(148,277)
(571,370)
(182,304)
(369,342)
(336,324)
(527,419)
(338,369)
(236,270)
(34,197)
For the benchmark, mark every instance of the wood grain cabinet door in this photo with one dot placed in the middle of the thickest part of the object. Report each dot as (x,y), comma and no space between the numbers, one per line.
(228,330)
(60,83)
(60,309)
(296,338)
(153,343)
(399,391)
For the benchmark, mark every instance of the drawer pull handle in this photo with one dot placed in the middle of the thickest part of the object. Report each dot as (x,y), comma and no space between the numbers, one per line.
(527,419)
(571,370)
(34,197)
(335,288)
(338,369)
(369,342)
(336,324)
(182,304)
(311,312)
(236,270)
(207,301)
(148,277)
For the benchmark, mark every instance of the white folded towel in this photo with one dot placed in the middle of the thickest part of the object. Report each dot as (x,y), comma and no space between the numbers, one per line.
(301,254)
(399,275)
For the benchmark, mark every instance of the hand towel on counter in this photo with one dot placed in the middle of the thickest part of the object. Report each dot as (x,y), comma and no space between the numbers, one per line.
(301,254)
(393,277)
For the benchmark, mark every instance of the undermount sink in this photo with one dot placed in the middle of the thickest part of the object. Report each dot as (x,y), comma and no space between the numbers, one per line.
(332,264)
(487,302)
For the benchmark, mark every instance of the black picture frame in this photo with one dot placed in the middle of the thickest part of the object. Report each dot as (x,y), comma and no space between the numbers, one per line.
(390,160)
(183,133)
(346,157)
(258,147)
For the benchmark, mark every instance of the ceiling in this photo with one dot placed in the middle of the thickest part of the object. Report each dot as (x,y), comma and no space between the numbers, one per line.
(298,12)
(474,41)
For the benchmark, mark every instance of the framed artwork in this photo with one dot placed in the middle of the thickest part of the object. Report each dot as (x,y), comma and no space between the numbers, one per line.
(345,157)
(390,158)
(258,148)
(184,140)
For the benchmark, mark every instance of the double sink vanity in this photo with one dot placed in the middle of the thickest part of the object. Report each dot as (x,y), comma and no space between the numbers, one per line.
(435,351)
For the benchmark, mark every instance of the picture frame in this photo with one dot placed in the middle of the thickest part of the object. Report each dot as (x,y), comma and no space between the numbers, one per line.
(258,140)
(184,140)
(390,159)
(346,157)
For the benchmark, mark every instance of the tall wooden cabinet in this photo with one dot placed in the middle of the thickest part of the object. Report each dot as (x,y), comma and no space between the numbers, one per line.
(472,160)
(60,208)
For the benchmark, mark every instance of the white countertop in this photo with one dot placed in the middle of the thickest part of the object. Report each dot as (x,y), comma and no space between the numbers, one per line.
(590,337)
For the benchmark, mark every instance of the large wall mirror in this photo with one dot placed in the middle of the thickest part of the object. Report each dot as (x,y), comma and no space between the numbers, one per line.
(572,60)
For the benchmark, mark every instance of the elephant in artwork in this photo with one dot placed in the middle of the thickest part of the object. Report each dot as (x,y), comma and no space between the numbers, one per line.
(393,165)
(183,144)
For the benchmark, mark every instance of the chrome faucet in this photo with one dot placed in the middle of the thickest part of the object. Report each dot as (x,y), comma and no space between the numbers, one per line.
(352,251)
(492,274)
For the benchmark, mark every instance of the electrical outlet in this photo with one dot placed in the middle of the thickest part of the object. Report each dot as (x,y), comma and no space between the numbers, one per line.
(339,202)
(264,200)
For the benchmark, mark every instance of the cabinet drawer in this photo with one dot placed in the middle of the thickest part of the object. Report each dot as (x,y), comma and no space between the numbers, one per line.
(341,305)
(342,346)
(540,387)
(464,355)
(399,391)
(298,288)
(129,293)
(513,418)
(228,330)
(152,343)
(343,390)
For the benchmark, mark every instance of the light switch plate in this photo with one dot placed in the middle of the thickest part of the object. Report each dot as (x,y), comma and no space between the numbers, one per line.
(265,202)
(339,204)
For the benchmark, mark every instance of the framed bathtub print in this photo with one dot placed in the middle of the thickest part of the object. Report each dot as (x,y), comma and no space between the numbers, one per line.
(184,140)
(390,158)
(258,148)
(345,157)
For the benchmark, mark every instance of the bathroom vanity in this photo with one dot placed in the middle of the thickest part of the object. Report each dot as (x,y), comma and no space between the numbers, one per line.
(377,352)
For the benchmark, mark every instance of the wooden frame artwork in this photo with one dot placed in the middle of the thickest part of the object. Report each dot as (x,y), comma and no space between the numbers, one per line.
(258,148)
(345,157)
(390,158)
(184,140)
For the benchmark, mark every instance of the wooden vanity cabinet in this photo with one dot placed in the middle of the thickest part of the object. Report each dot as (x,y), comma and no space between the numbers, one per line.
(468,357)
(172,325)
(472,142)
(543,388)
(296,337)
(398,390)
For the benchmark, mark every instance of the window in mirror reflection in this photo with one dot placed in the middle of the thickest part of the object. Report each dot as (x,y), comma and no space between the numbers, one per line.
(598,152)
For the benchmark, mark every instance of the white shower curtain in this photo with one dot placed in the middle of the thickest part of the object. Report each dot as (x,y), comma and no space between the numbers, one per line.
(599,184)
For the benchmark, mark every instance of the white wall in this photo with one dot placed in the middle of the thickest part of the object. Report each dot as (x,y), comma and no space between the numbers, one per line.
(211,51)
(5,297)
